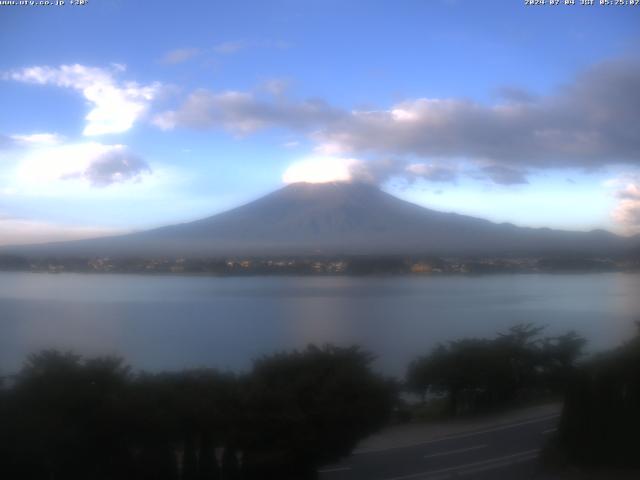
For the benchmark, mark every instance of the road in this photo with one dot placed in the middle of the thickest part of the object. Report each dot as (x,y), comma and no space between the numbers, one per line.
(506,451)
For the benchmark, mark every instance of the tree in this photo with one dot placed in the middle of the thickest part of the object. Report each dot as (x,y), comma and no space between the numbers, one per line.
(477,374)
(601,416)
(310,407)
(65,417)
(91,419)
(560,357)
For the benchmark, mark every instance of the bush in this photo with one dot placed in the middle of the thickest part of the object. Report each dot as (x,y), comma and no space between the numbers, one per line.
(601,417)
(483,374)
(67,417)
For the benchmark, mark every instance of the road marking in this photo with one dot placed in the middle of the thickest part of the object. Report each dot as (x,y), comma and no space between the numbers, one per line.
(337,469)
(451,452)
(475,466)
(500,464)
(459,435)
(550,430)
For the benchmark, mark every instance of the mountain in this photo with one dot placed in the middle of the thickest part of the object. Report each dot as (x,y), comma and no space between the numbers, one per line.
(338,218)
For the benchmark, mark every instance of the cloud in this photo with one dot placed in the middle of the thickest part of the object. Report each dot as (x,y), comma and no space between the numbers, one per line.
(36,139)
(331,168)
(116,165)
(231,47)
(97,164)
(14,231)
(28,140)
(276,86)
(431,172)
(577,126)
(587,123)
(179,55)
(505,175)
(244,112)
(627,212)
(516,95)
(321,170)
(227,48)
(115,106)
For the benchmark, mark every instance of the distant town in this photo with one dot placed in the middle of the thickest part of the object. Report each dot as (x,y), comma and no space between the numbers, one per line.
(347,265)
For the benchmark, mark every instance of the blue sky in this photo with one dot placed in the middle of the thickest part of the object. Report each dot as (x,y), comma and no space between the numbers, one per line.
(121,115)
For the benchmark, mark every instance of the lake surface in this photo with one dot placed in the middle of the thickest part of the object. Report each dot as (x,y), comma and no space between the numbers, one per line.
(173,322)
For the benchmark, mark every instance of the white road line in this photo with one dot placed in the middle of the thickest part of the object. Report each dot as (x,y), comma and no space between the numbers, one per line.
(337,469)
(452,452)
(460,435)
(500,464)
(475,466)
(551,430)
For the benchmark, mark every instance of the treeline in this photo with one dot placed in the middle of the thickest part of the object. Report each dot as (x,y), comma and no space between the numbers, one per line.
(320,265)
(601,417)
(477,374)
(64,417)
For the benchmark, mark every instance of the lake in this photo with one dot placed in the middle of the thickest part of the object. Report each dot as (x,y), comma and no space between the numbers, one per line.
(174,322)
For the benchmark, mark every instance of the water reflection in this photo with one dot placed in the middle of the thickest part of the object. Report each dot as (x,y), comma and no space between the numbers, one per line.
(172,322)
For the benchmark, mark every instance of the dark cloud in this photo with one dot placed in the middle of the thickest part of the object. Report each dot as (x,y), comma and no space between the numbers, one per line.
(585,124)
(115,166)
(244,113)
(430,172)
(588,123)
(505,175)
(376,171)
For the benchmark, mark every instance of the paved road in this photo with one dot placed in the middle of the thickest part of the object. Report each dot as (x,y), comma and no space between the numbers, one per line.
(506,451)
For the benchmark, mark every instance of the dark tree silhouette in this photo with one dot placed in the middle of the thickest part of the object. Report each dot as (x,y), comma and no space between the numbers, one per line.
(480,374)
(309,408)
(66,418)
(75,419)
(601,416)
(230,464)
(208,464)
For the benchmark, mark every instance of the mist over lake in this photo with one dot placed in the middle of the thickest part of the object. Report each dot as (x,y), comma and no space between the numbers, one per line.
(175,322)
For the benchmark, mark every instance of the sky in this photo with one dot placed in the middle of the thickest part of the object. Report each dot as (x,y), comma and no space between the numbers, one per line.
(122,115)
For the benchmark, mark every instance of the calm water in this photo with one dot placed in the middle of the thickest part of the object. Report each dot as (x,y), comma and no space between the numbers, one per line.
(171,322)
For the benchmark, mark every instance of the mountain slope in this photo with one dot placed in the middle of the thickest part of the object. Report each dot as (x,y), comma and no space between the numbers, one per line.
(339,218)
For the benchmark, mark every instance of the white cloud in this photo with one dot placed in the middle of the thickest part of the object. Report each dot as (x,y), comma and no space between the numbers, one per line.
(92,163)
(37,139)
(115,106)
(330,148)
(627,212)
(321,170)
